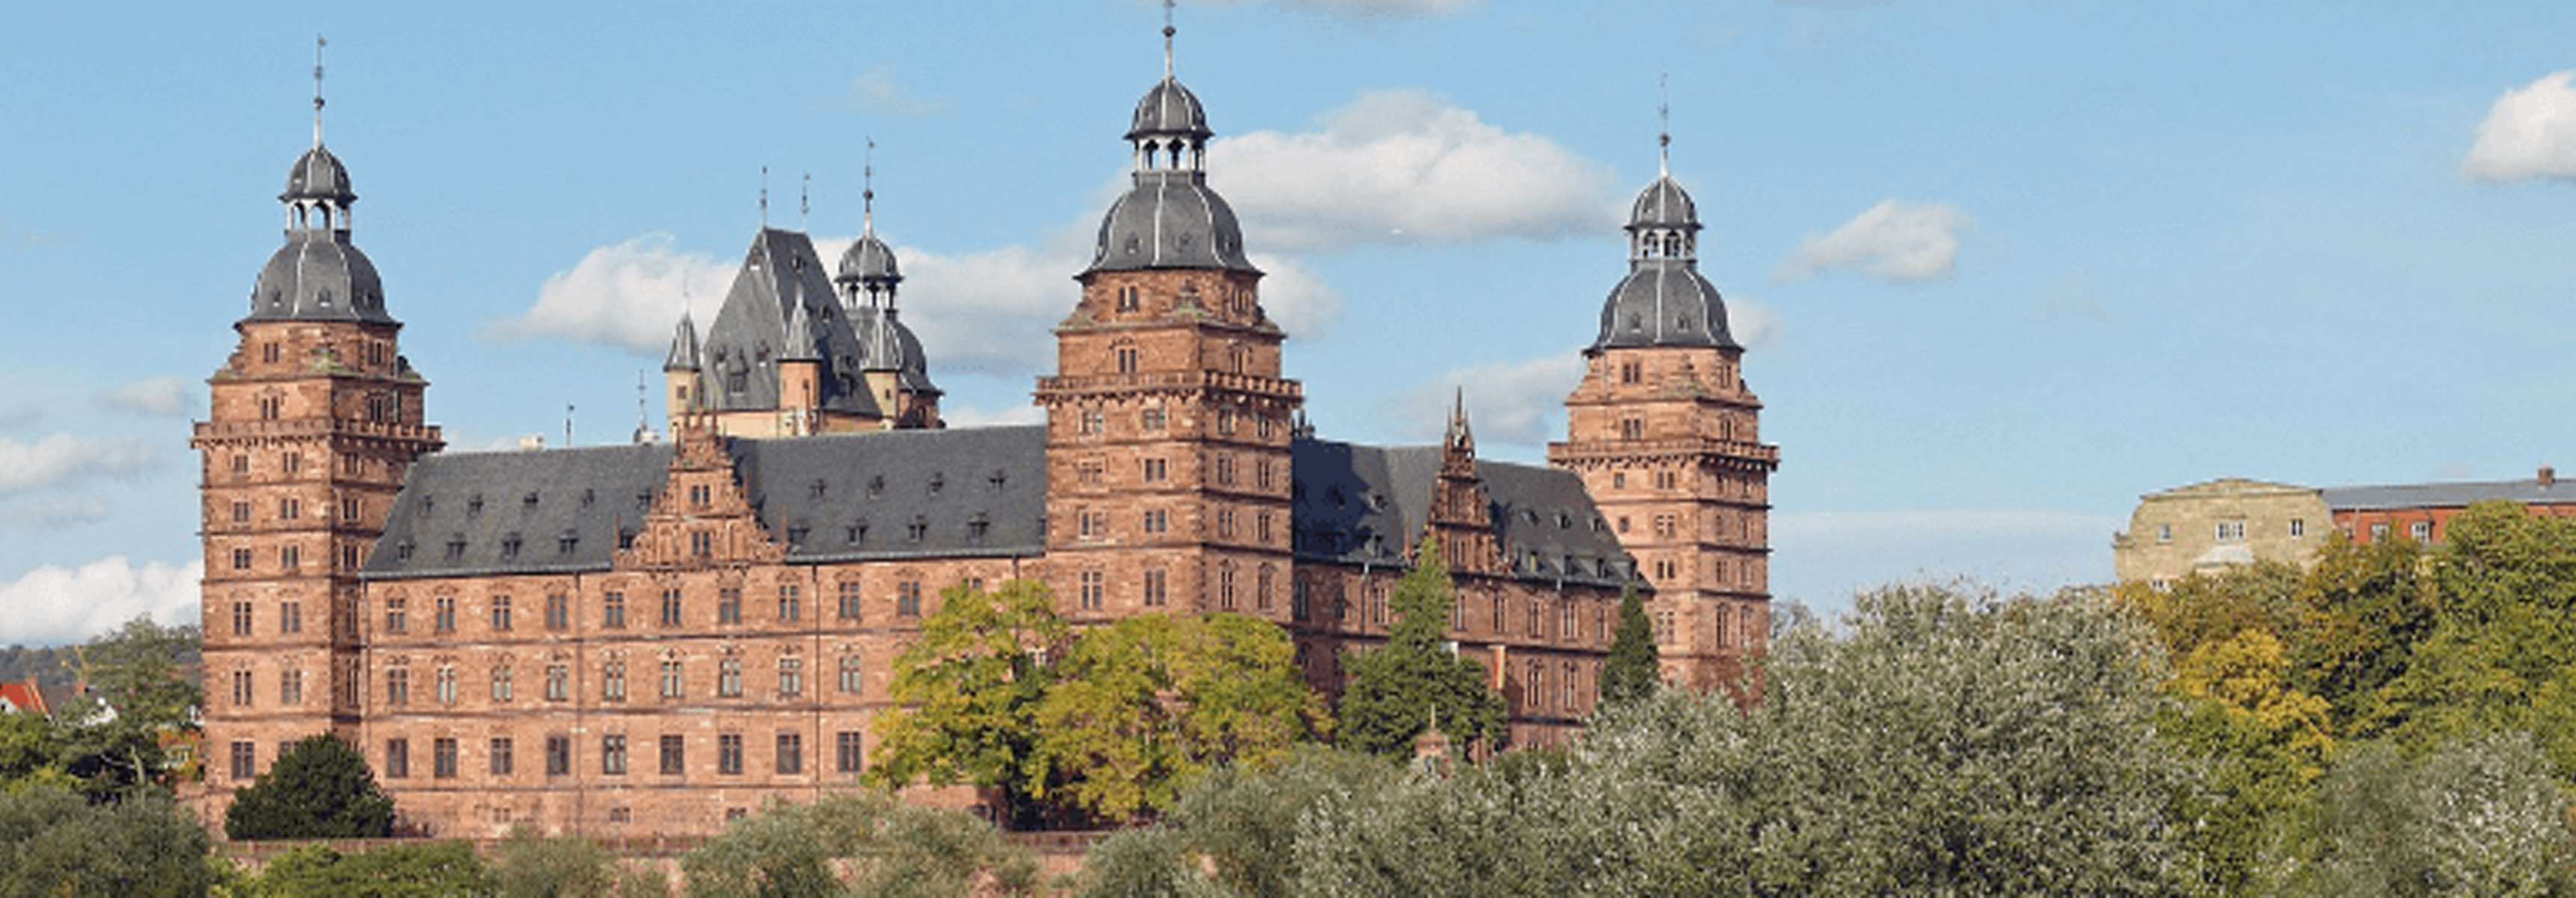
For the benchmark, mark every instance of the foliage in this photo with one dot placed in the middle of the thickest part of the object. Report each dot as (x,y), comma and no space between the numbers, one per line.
(1394,692)
(863,843)
(320,788)
(1941,743)
(54,842)
(140,671)
(2503,634)
(532,866)
(969,690)
(1143,706)
(1234,832)
(1631,672)
(2480,817)
(416,870)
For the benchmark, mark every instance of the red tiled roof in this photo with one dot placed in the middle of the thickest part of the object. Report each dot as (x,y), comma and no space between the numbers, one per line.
(23,696)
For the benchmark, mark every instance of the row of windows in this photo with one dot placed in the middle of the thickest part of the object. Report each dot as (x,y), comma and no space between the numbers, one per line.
(290,559)
(1535,695)
(1156,419)
(557,685)
(500,756)
(671,609)
(2233,531)
(1091,524)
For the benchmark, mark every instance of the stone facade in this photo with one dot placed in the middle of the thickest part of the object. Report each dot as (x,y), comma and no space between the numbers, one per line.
(644,640)
(2207,527)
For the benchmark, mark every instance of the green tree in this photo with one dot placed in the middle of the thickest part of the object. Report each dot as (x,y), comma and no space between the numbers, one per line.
(1393,692)
(533,866)
(2363,610)
(2478,817)
(1233,832)
(140,671)
(2504,631)
(1143,706)
(54,842)
(863,843)
(968,691)
(419,870)
(320,788)
(1632,671)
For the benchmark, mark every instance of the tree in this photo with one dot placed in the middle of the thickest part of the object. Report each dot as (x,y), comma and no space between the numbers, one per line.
(2478,817)
(1233,832)
(1632,671)
(863,843)
(531,866)
(417,870)
(54,842)
(968,691)
(320,788)
(1143,706)
(1396,690)
(139,670)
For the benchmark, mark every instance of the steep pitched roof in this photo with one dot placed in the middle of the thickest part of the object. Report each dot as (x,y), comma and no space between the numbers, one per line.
(24,697)
(781,275)
(1360,505)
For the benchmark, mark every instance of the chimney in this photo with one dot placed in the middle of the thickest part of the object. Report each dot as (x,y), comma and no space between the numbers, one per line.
(2548,475)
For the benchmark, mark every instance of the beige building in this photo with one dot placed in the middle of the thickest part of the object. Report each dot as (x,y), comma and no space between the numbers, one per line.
(2210,526)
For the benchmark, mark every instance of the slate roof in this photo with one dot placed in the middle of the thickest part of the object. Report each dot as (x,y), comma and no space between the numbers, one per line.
(936,494)
(1170,219)
(2447,495)
(780,274)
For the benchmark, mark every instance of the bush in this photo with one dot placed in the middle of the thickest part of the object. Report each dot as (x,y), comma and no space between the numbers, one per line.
(52,842)
(319,788)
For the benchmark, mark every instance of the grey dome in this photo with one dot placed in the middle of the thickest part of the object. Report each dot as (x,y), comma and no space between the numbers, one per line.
(318,175)
(1663,302)
(1169,109)
(869,261)
(1170,219)
(318,276)
(885,344)
(1664,204)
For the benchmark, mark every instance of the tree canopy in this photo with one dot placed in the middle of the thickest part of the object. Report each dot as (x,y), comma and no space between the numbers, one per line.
(1393,693)
(1632,670)
(320,788)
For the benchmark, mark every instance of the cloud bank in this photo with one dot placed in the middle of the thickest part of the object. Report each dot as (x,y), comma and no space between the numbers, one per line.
(627,295)
(62,458)
(1893,241)
(160,397)
(2529,134)
(55,605)
(1518,403)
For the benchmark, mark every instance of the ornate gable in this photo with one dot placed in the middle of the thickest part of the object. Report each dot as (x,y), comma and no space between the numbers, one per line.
(701,519)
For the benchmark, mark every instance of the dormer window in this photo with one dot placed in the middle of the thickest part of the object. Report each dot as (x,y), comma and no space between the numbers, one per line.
(456,547)
(567,542)
(510,546)
(876,486)
(474,505)
(529,501)
(920,528)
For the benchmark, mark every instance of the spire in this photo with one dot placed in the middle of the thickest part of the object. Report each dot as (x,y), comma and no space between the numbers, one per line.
(804,202)
(764,197)
(1168,31)
(800,337)
(318,44)
(868,191)
(1460,436)
(684,346)
(1664,133)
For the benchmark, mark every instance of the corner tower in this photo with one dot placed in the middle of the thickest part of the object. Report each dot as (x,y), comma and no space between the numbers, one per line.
(314,420)
(1168,423)
(1665,435)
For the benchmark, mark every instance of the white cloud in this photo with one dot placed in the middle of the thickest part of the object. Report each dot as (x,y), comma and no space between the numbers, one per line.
(1507,402)
(159,396)
(52,513)
(878,90)
(627,295)
(2529,133)
(62,457)
(1752,324)
(54,606)
(971,416)
(1296,298)
(1406,166)
(1894,240)
(990,311)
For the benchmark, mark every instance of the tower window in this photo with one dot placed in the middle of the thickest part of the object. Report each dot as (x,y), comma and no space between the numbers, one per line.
(1126,360)
(1127,301)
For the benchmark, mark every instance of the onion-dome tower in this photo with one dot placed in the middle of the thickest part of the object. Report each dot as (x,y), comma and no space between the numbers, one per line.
(890,357)
(1663,432)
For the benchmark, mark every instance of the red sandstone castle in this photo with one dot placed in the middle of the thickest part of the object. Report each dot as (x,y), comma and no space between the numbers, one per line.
(647,639)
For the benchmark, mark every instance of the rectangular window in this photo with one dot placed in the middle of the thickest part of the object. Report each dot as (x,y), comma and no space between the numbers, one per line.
(907,599)
(670,608)
(729,677)
(729,605)
(442,758)
(612,681)
(241,559)
(397,758)
(398,686)
(612,755)
(558,682)
(671,679)
(791,677)
(1154,586)
(729,753)
(1092,588)
(1156,470)
(290,688)
(558,755)
(394,615)
(501,613)
(2298,527)
(849,751)
(850,600)
(241,618)
(446,685)
(290,617)
(501,683)
(2231,531)
(245,760)
(500,756)
(558,611)
(791,604)
(853,677)
(612,610)
(289,557)
(1158,521)
(791,753)
(445,620)
(2422,531)
(242,687)
(241,512)
(674,755)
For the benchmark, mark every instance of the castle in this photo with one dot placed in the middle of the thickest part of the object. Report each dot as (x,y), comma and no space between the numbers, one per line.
(647,639)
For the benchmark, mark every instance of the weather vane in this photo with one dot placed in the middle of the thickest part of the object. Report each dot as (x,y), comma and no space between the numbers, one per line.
(804,202)
(868,188)
(1167,38)
(764,196)
(318,44)
(1664,116)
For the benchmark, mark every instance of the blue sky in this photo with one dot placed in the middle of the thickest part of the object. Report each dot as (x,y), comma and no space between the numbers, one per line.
(2003,267)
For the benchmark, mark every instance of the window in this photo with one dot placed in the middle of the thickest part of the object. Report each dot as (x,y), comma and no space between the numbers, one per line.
(1664,626)
(1225,588)
(500,752)
(558,611)
(612,755)
(558,682)
(907,599)
(612,610)
(791,604)
(670,607)
(558,755)
(1091,590)
(1261,589)
(397,758)
(2231,531)
(1155,419)
(1154,588)
(1090,422)
(1632,429)
(290,557)
(791,677)
(243,688)
(729,753)
(2379,531)
(2298,528)
(1127,299)
(851,751)
(2164,533)
(1156,470)
(290,617)
(1126,360)
(671,678)
(241,512)
(1297,603)
(2422,531)
(445,619)
(1158,521)
(702,544)
(699,495)
(241,618)
(1092,524)
(729,605)
(501,683)
(728,678)
(442,758)
(245,760)
(850,600)
(1665,526)
(398,686)
(612,681)
(241,559)
(500,612)
(674,755)
(854,678)
(1628,372)
(290,687)
(791,753)
(446,685)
